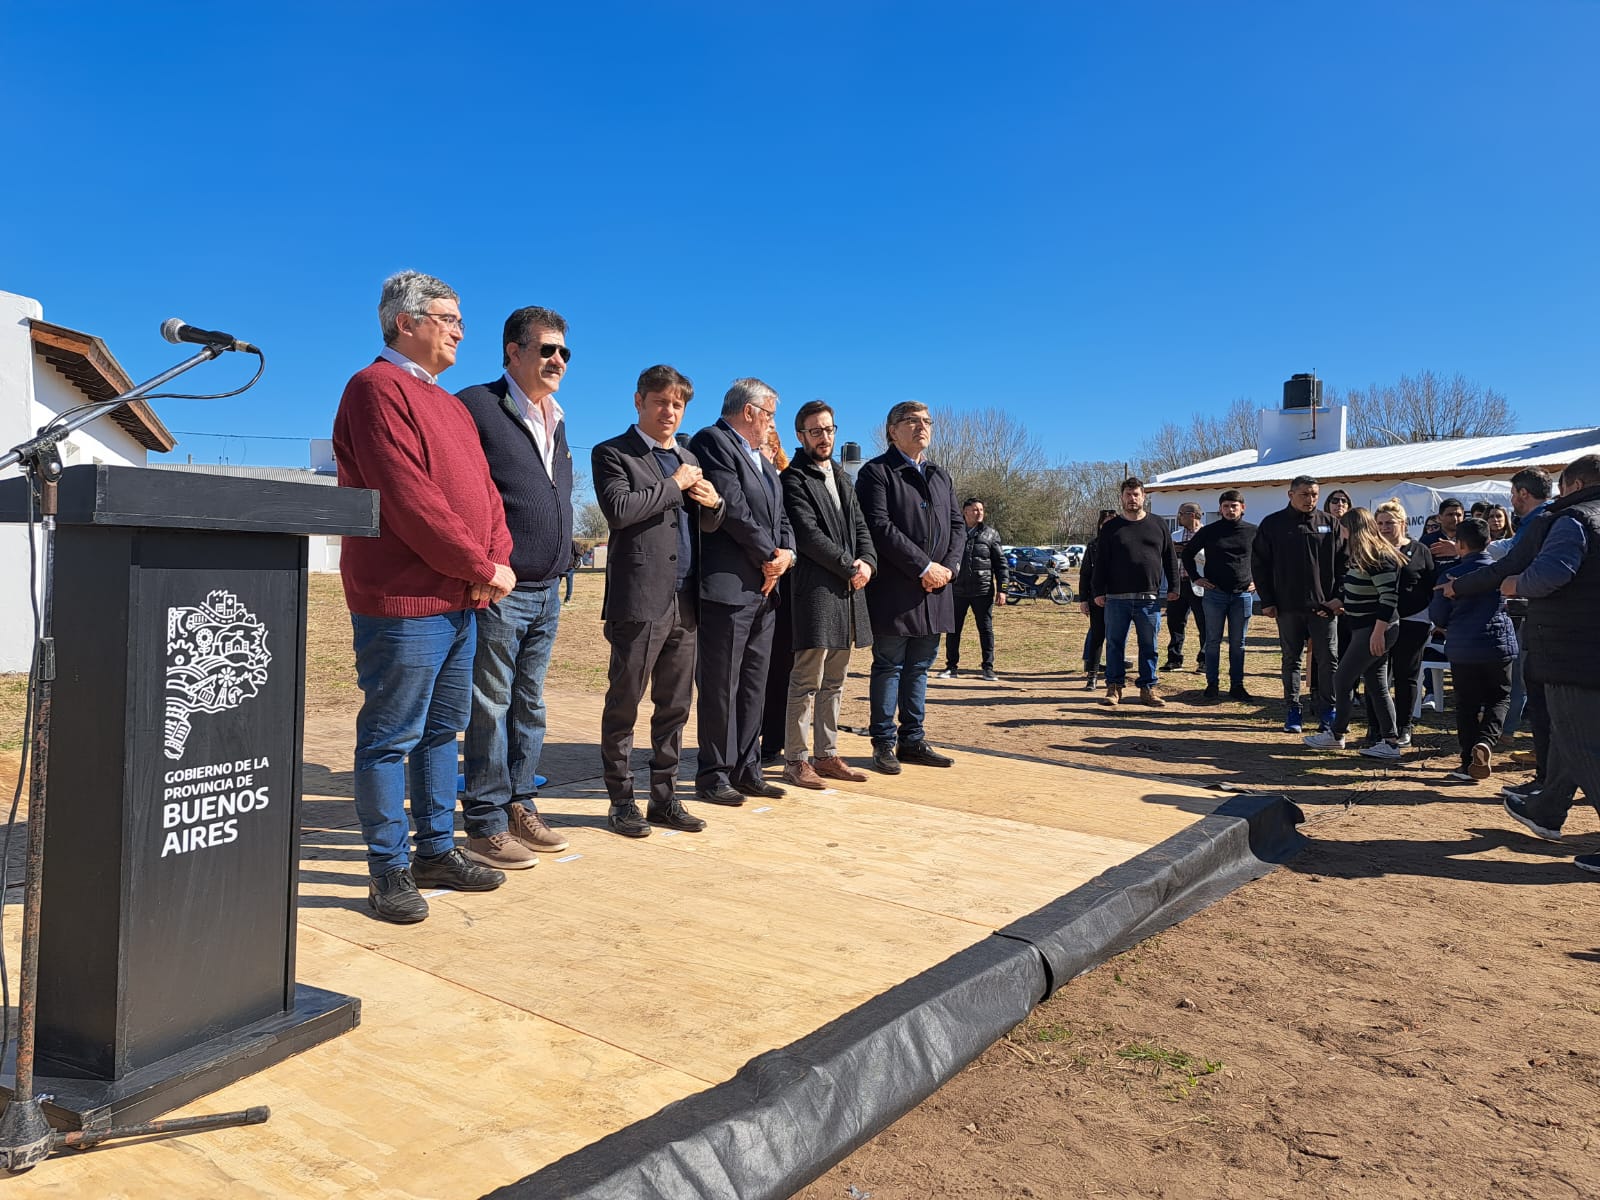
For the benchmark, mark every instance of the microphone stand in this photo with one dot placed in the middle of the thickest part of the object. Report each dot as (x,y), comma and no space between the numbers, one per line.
(26,1136)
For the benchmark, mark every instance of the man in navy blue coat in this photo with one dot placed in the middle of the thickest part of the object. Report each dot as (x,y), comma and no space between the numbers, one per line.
(740,564)
(916,525)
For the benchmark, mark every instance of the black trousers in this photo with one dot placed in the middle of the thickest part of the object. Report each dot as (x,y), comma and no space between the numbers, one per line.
(1405,665)
(1178,611)
(735,652)
(1573,719)
(657,656)
(982,609)
(1538,711)
(1483,693)
(1095,640)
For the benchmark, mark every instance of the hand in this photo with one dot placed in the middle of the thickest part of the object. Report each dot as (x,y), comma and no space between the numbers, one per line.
(1376,643)
(496,589)
(1100,601)
(1269,610)
(935,577)
(1172,597)
(1508,586)
(1083,607)
(703,494)
(1252,588)
(1000,599)
(862,576)
(686,476)
(1205,585)
(1448,587)
(1446,547)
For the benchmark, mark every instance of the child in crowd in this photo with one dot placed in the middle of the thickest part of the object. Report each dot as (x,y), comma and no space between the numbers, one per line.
(1481,647)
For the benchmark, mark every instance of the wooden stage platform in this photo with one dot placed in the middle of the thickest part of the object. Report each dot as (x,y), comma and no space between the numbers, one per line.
(515,1027)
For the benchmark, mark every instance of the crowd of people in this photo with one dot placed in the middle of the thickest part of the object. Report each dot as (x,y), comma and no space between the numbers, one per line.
(718,542)
(1357,602)
(714,546)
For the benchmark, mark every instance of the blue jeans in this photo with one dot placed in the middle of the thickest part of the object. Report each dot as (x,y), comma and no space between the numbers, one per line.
(506,734)
(1145,617)
(1235,609)
(900,668)
(416,676)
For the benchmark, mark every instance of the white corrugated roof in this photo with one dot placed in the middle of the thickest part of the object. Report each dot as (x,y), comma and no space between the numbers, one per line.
(1498,455)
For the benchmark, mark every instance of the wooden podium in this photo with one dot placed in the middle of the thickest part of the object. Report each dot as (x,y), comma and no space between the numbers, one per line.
(171,864)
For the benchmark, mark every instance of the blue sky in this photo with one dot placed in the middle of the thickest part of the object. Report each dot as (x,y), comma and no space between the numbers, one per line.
(1098,217)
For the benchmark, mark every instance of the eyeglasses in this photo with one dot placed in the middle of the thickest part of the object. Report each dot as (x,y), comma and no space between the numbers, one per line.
(759,409)
(917,422)
(551,349)
(821,431)
(450,319)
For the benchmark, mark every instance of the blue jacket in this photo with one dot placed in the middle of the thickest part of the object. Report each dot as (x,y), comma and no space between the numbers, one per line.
(1478,629)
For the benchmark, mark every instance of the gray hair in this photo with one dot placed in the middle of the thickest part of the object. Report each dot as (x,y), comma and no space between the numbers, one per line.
(899,413)
(407,292)
(748,391)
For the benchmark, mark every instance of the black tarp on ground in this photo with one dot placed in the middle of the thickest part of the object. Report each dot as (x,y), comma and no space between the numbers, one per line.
(790,1114)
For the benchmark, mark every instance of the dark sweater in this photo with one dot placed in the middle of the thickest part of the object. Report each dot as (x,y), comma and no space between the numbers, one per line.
(441,522)
(1227,546)
(1298,559)
(1133,556)
(538,508)
(1417,578)
(1477,627)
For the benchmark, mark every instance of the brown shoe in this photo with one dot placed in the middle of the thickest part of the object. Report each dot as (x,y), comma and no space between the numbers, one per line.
(1482,764)
(501,850)
(1149,697)
(799,772)
(529,828)
(1113,696)
(834,767)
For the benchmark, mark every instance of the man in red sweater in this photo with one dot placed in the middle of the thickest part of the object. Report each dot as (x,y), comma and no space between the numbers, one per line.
(443,551)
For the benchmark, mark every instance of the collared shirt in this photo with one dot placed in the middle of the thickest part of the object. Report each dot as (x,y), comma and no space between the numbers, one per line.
(533,416)
(922,467)
(406,365)
(750,452)
(670,444)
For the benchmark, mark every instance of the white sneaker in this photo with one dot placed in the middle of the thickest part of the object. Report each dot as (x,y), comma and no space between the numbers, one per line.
(1384,750)
(1324,741)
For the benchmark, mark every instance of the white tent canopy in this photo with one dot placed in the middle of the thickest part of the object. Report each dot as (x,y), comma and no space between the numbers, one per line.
(1422,501)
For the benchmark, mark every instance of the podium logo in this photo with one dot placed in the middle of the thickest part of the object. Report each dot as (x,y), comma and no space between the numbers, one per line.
(217,658)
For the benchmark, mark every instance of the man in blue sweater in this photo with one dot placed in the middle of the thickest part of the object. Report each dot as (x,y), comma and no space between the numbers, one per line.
(524,438)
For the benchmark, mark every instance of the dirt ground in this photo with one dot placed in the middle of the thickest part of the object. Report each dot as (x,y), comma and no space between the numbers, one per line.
(1409,1009)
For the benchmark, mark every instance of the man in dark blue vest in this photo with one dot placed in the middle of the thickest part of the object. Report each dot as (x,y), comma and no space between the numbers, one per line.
(524,438)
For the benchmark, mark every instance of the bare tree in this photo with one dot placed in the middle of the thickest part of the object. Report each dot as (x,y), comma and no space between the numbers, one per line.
(992,455)
(1205,436)
(589,523)
(1424,408)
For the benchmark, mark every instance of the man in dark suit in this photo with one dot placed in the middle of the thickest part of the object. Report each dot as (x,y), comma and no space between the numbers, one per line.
(739,570)
(826,592)
(915,523)
(524,437)
(657,503)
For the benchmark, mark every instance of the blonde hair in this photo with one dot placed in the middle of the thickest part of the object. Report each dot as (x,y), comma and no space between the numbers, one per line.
(1393,508)
(1369,550)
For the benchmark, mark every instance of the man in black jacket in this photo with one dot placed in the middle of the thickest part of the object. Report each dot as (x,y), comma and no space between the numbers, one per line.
(1298,561)
(828,603)
(1227,589)
(524,436)
(979,586)
(915,524)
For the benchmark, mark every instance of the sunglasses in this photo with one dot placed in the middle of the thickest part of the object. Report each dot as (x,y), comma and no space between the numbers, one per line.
(550,350)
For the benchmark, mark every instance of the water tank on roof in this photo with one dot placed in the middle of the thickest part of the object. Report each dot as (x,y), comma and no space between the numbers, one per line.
(1302,391)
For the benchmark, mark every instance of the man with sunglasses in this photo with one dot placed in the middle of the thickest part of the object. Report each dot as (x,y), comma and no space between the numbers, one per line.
(915,524)
(740,564)
(524,437)
(443,550)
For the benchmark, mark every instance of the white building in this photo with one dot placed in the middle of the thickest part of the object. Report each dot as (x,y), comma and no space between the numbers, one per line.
(1311,441)
(44,370)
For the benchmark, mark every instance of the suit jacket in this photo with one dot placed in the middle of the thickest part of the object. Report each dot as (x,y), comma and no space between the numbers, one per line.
(914,519)
(754,525)
(829,538)
(642,507)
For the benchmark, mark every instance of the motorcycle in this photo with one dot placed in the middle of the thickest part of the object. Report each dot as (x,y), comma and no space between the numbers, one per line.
(1036,579)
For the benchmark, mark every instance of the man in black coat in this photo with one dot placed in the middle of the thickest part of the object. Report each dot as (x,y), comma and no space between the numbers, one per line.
(650,487)
(524,437)
(740,565)
(911,513)
(829,603)
(979,585)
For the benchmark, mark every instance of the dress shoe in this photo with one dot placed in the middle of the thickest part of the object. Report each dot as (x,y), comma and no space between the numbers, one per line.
(721,794)
(454,870)
(920,754)
(394,897)
(1211,693)
(532,830)
(675,817)
(835,767)
(759,788)
(883,758)
(1238,692)
(1151,698)
(802,774)
(627,820)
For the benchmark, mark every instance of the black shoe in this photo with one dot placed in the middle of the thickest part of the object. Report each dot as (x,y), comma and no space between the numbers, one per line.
(923,755)
(721,794)
(454,870)
(759,788)
(394,897)
(676,817)
(988,674)
(1211,692)
(1237,692)
(627,820)
(883,759)
(1173,664)
(1517,809)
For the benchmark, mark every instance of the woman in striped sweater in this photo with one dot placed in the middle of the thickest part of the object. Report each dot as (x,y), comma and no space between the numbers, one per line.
(1369,596)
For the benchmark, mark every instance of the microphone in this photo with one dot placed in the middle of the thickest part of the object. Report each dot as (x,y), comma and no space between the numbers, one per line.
(175,330)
